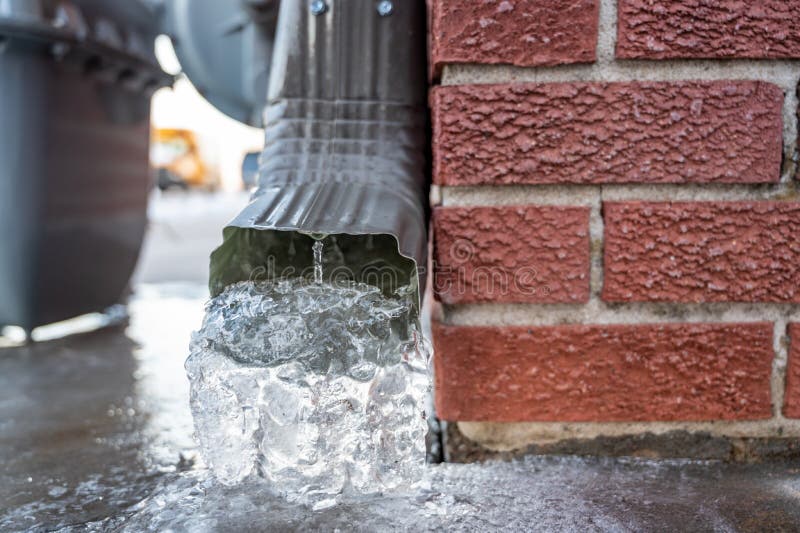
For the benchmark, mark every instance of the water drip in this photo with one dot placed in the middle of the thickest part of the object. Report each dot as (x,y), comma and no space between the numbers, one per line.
(317,247)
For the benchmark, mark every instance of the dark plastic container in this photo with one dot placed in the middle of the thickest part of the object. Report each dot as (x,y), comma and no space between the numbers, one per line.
(75,85)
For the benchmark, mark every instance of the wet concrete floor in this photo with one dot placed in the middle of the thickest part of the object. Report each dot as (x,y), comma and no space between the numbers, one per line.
(92,423)
(96,433)
(89,421)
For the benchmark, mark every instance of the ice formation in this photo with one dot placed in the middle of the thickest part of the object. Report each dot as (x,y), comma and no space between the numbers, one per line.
(317,388)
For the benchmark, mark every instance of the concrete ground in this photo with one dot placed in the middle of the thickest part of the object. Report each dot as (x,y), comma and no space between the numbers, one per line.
(92,424)
(184,229)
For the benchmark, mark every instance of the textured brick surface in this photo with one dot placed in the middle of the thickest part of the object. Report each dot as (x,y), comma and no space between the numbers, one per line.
(708,29)
(603,373)
(649,132)
(518,32)
(791,401)
(511,254)
(702,251)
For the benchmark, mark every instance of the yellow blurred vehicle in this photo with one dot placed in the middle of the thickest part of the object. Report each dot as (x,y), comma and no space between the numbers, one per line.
(175,154)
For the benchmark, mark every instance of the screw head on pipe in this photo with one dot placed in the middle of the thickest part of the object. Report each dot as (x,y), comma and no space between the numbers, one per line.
(318,7)
(385,8)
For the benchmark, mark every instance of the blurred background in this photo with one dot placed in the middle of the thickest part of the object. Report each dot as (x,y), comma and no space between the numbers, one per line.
(203,162)
(116,171)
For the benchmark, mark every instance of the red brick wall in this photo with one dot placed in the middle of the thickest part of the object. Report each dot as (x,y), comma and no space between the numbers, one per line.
(634,132)
(617,240)
(708,29)
(702,252)
(530,254)
(791,406)
(519,32)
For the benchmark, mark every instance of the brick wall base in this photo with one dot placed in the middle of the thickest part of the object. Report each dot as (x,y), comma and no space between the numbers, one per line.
(491,442)
(617,227)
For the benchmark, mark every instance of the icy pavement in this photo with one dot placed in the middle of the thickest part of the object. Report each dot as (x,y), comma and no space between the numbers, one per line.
(96,429)
(536,494)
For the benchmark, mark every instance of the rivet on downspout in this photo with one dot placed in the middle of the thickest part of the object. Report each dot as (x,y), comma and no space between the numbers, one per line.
(385,8)
(318,7)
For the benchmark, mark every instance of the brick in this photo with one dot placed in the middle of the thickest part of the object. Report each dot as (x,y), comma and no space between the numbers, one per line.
(516,32)
(575,373)
(791,400)
(632,132)
(511,254)
(702,251)
(648,29)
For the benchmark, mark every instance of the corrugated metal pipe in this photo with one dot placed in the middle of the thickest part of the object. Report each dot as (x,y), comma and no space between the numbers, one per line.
(346,151)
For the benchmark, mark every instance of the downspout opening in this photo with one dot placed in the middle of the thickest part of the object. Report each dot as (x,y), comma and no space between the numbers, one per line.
(270,255)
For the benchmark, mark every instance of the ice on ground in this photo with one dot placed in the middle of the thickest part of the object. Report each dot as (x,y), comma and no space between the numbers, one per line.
(316,388)
(530,494)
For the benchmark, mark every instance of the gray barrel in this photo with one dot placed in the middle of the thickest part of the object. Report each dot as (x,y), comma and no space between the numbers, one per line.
(75,85)
(346,149)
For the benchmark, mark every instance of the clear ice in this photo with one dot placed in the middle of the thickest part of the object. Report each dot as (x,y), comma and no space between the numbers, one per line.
(316,388)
